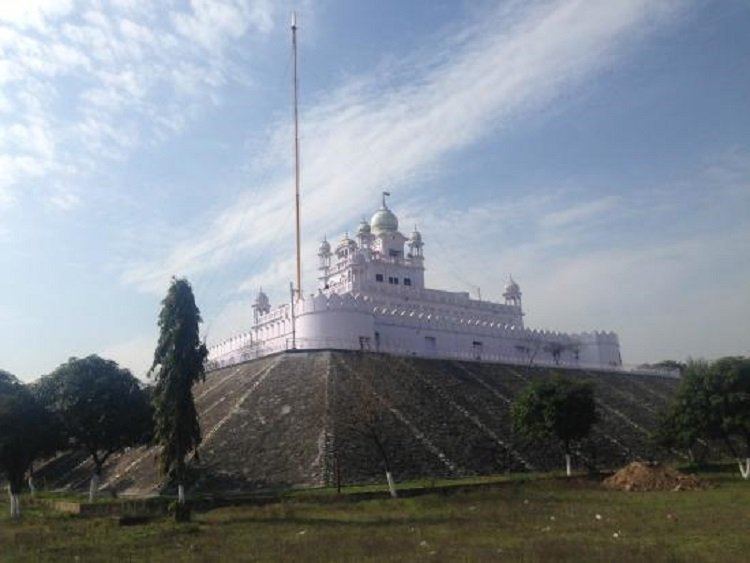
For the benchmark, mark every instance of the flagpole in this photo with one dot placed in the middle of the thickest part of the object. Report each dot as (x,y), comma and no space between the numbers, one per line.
(296,158)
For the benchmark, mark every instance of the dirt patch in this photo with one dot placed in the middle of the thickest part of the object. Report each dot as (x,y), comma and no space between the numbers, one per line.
(639,476)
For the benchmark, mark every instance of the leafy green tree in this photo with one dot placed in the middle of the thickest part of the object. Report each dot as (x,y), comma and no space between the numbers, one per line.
(713,404)
(672,365)
(686,422)
(102,408)
(730,399)
(178,365)
(558,409)
(27,432)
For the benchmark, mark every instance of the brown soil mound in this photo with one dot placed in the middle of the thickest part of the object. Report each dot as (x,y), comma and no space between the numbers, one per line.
(639,476)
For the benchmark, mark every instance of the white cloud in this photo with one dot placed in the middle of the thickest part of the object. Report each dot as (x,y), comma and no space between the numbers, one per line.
(578,212)
(123,71)
(212,24)
(366,136)
(65,200)
(33,13)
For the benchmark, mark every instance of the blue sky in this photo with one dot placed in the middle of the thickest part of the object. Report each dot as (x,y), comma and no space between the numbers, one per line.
(599,151)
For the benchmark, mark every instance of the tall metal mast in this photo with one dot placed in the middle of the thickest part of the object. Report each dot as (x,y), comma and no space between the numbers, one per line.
(296,158)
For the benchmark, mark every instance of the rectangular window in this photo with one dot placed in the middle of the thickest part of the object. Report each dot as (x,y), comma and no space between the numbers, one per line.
(394,253)
(379,277)
(407,281)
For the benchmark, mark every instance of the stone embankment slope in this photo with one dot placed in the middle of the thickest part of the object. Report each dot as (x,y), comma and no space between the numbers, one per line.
(302,419)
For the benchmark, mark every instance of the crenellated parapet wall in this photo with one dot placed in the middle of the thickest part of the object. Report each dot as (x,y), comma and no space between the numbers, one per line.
(356,321)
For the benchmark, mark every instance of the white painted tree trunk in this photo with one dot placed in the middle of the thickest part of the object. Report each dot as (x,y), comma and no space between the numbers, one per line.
(568,465)
(391,484)
(744,468)
(15,504)
(181,494)
(32,488)
(93,487)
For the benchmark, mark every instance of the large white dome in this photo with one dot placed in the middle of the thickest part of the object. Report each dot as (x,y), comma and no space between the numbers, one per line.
(384,221)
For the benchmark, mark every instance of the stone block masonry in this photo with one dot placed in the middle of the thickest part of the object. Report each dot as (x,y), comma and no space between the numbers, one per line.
(302,419)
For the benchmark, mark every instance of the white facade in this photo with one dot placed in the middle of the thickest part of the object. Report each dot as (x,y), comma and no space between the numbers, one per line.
(372,296)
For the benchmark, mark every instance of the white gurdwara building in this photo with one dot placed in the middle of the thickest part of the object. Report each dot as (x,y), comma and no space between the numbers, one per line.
(372,296)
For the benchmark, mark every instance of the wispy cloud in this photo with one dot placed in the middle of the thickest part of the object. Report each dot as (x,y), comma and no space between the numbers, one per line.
(128,73)
(392,127)
(579,212)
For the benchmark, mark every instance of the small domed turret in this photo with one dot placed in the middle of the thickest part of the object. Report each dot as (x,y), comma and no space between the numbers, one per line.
(512,293)
(261,306)
(325,247)
(346,246)
(415,244)
(512,286)
(345,241)
(364,228)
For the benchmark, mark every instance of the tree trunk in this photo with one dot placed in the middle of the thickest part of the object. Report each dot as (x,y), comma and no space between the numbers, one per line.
(15,504)
(11,498)
(32,488)
(94,486)
(744,468)
(568,465)
(181,493)
(391,484)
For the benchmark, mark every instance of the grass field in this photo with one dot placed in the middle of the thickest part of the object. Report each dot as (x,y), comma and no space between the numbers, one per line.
(530,520)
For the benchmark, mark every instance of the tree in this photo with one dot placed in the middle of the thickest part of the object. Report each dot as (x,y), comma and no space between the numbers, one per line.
(556,409)
(179,363)
(685,424)
(102,407)
(367,415)
(713,404)
(25,431)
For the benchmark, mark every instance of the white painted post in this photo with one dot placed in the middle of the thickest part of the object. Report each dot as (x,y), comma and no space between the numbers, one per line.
(181,494)
(568,467)
(93,486)
(391,484)
(744,468)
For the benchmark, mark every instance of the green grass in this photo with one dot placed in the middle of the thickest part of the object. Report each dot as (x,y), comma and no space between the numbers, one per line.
(530,520)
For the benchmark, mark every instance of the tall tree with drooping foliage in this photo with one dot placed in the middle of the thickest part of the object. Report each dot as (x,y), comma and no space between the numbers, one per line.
(559,409)
(179,363)
(27,432)
(102,407)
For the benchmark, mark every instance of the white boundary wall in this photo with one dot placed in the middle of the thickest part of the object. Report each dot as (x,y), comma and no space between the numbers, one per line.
(422,329)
